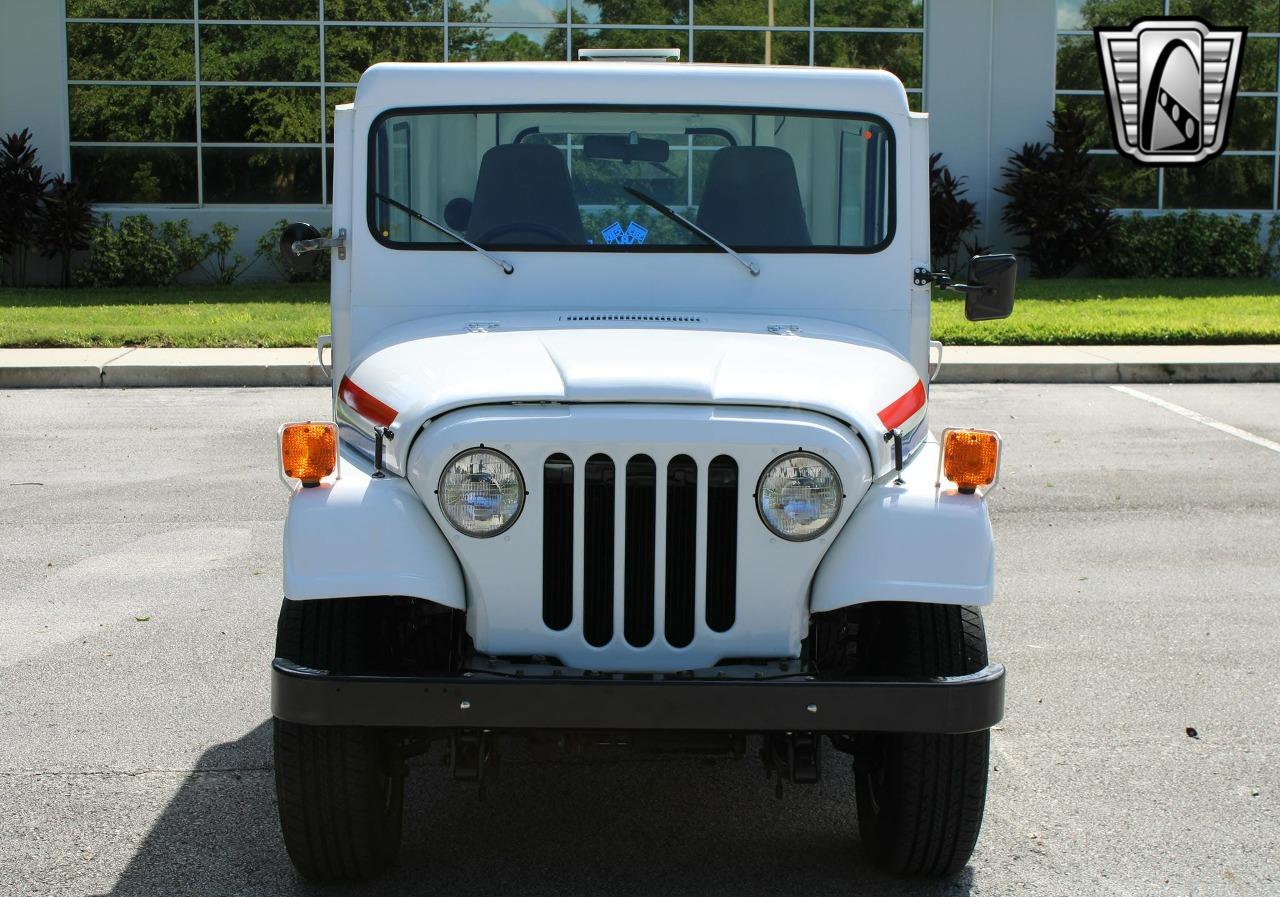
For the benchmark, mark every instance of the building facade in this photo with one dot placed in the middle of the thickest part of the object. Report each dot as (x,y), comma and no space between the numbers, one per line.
(219,110)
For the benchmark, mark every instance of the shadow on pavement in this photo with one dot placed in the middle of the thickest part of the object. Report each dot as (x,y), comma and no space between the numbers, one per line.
(607,826)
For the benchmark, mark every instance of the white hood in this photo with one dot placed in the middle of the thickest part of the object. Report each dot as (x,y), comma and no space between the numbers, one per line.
(433,365)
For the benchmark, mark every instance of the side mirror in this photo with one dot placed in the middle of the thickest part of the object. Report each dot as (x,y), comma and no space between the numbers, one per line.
(298,245)
(989,297)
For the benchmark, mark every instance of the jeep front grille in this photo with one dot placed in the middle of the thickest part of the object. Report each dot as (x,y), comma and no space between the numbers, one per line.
(677,532)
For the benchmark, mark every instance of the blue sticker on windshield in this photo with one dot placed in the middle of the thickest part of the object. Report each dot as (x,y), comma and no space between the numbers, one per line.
(635,233)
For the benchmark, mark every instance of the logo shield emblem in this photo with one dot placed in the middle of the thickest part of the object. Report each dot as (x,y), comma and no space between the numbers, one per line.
(1170,85)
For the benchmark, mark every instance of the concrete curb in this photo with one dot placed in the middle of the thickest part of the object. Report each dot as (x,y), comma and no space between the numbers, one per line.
(129,368)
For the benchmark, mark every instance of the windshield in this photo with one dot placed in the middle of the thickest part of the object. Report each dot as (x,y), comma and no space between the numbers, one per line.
(554,179)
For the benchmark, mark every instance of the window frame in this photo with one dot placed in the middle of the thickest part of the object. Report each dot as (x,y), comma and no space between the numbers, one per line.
(891,223)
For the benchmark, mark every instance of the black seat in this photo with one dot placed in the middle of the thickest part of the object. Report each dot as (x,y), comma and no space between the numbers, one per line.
(524,196)
(752,198)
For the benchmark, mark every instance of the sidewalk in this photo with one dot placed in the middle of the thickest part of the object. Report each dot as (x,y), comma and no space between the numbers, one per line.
(117,368)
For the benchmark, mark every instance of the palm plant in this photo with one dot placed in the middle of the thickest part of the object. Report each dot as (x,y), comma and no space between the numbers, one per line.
(22,184)
(65,223)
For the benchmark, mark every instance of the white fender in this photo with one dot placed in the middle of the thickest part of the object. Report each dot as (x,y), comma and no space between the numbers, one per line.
(364,536)
(910,542)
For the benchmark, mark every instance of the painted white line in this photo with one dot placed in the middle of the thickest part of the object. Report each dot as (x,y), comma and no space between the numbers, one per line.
(1200,418)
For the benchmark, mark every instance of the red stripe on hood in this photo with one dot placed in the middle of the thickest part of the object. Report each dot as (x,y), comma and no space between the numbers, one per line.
(368,406)
(902,409)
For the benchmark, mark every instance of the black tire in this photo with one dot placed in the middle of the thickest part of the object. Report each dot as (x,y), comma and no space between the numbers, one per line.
(340,790)
(920,797)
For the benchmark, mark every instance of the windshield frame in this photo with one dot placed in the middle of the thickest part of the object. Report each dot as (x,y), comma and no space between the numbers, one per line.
(891,220)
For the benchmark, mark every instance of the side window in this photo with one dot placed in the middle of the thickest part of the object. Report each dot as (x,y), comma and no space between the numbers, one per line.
(864,201)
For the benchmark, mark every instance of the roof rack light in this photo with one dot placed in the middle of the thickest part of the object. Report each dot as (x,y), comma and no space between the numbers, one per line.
(601,54)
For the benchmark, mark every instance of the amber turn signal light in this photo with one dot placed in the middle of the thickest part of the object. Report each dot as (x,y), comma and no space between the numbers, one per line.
(970,458)
(308,451)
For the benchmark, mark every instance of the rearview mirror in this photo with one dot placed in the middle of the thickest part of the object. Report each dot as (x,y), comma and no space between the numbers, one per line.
(297,248)
(989,296)
(626,148)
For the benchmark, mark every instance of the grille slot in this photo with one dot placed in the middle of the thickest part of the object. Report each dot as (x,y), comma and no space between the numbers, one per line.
(557,542)
(682,534)
(722,542)
(641,537)
(597,568)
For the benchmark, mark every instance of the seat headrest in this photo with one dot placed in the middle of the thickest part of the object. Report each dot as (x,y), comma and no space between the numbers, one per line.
(752,198)
(524,183)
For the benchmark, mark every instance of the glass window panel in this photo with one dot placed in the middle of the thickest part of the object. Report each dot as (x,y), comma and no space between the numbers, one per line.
(259,53)
(126,52)
(1256,15)
(260,114)
(514,12)
(644,12)
(1126,183)
(129,9)
(751,12)
(259,9)
(348,51)
(256,177)
(505,44)
(1258,64)
(621,37)
(784,47)
(1095,109)
(1227,182)
(859,14)
(1079,15)
(902,54)
(1253,124)
(916,102)
(1078,63)
(132,114)
(335,96)
(384,10)
(136,174)
(329,172)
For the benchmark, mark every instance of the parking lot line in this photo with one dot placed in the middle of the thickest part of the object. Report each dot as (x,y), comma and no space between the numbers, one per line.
(1200,418)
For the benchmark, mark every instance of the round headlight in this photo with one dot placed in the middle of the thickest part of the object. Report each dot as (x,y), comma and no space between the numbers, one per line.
(799,496)
(481,492)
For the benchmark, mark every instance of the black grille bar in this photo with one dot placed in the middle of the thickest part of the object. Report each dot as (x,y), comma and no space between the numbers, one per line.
(557,542)
(682,536)
(597,567)
(642,497)
(722,542)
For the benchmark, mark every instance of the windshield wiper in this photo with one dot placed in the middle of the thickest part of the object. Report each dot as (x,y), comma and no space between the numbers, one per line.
(505,265)
(693,228)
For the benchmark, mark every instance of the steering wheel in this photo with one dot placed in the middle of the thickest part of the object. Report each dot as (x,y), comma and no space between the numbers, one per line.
(546,230)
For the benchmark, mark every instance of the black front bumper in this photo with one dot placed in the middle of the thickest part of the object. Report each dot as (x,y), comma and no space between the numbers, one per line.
(949,705)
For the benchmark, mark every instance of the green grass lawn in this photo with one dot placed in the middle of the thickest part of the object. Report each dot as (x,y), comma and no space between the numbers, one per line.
(1059,312)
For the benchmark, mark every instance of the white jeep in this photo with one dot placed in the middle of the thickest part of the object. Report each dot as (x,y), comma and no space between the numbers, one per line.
(630,371)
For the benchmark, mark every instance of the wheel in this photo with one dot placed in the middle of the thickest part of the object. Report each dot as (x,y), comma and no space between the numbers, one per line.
(920,798)
(340,790)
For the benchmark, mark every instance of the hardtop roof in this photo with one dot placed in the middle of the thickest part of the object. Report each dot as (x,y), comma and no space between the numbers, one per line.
(391,85)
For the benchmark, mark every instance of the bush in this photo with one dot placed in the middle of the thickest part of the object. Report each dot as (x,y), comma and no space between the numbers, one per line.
(22,186)
(269,248)
(210,252)
(951,216)
(1189,244)
(132,255)
(64,224)
(1056,201)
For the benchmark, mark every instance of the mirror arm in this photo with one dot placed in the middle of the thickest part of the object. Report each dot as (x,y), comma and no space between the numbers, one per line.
(339,243)
(942,280)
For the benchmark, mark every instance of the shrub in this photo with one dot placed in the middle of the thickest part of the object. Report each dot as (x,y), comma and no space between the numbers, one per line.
(211,252)
(951,216)
(64,224)
(1189,244)
(22,185)
(269,248)
(131,255)
(1056,201)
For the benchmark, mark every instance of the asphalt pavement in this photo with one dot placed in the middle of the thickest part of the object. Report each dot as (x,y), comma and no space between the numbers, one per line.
(1138,562)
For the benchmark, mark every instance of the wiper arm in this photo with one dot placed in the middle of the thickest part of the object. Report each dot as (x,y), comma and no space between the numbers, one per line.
(693,228)
(505,265)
